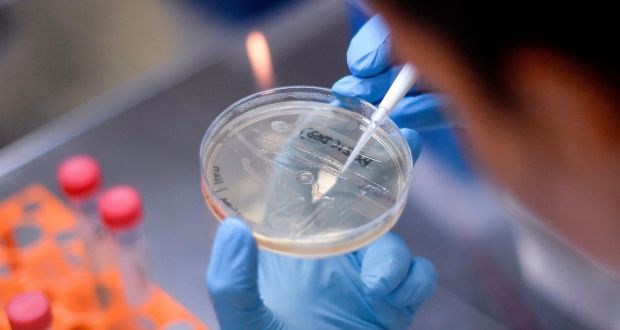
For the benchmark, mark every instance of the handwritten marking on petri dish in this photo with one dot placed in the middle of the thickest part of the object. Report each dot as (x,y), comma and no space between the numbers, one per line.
(311,133)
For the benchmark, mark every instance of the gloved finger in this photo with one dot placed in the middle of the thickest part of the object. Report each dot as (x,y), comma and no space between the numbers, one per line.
(369,50)
(385,263)
(415,142)
(420,112)
(418,286)
(232,279)
(371,89)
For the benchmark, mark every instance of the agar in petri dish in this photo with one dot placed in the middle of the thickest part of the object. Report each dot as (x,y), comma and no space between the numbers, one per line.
(273,159)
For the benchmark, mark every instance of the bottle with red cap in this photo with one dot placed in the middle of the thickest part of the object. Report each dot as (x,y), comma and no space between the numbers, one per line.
(29,311)
(80,180)
(120,207)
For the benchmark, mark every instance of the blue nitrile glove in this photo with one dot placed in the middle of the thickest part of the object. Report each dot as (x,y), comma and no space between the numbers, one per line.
(368,58)
(377,287)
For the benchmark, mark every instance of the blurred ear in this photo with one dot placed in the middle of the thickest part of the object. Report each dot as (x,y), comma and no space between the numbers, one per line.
(577,107)
(568,106)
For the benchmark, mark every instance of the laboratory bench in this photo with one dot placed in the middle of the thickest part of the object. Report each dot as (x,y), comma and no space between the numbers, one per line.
(148,132)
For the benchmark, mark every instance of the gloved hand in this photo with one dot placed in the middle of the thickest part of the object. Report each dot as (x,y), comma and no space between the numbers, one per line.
(377,287)
(368,58)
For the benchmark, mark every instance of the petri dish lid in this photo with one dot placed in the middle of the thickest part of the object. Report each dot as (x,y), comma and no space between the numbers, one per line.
(273,159)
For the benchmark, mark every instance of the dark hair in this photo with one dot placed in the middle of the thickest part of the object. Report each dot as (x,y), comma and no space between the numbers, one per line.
(485,31)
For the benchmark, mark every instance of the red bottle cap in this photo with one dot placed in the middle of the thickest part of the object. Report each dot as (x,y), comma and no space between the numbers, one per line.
(79,176)
(29,311)
(120,207)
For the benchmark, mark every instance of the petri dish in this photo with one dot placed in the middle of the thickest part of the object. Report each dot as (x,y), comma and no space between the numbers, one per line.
(273,160)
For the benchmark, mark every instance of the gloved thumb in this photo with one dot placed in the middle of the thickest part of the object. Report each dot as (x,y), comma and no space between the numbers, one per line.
(389,271)
(369,51)
(385,263)
(232,280)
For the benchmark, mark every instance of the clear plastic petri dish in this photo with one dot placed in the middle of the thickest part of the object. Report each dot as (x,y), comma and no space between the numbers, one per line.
(273,160)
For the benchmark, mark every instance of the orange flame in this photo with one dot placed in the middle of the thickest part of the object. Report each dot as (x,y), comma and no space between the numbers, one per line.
(260,59)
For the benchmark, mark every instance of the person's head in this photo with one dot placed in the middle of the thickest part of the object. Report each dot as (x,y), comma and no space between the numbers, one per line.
(538,88)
